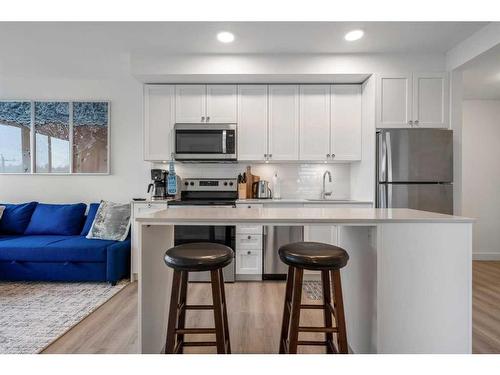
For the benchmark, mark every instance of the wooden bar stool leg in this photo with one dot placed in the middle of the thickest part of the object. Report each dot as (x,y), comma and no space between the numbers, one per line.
(295,315)
(172,315)
(285,323)
(224,311)
(339,313)
(327,314)
(217,302)
(182,313)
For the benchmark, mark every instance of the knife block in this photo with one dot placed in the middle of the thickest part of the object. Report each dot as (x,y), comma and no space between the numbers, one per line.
(242,191)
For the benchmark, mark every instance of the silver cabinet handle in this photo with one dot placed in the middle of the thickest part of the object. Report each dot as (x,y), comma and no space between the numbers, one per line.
(202,118)
(410,123)
(265,156)
(270,155)
(333,156)
(208,118)
(327,155)
(416,122)
(249,252)
(249,237)
(249,206)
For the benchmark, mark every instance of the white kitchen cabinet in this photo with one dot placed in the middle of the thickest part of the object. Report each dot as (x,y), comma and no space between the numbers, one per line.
(345,122)
(248,262)
(159,119)
(221,104)
(314,122)
(252,122)
(205,104)
(413,100)
(430,100)
(190,103)
(283,122)
(394,94)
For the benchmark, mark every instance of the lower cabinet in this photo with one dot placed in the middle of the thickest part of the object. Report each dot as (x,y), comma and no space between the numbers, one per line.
(248,252)
(248,262)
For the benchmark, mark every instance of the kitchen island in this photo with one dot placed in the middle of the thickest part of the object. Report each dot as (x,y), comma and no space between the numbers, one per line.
(407,287)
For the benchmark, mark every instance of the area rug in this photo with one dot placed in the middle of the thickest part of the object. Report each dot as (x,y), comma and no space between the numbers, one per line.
(312,289)
(35,314)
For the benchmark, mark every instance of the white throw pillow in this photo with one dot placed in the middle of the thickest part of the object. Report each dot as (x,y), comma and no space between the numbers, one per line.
(111,222)
(2,208)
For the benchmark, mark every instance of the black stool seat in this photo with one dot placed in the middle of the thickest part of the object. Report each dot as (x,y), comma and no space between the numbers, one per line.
(313,256)
(198,256)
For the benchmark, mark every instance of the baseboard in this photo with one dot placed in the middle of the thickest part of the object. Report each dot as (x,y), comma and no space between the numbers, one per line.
(486,256)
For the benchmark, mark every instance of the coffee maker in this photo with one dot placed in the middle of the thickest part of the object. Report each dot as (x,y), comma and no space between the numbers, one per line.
(158,186)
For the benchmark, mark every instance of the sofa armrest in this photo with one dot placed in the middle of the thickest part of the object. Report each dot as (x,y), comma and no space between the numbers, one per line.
(118,261)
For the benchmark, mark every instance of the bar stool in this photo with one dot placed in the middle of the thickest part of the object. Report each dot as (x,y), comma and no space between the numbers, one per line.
(328,259)
(197,257)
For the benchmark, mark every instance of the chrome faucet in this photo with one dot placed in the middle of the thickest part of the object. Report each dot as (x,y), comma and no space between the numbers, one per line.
(325,193)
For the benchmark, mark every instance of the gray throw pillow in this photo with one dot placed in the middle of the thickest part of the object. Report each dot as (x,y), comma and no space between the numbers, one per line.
(112,222)
(1,211)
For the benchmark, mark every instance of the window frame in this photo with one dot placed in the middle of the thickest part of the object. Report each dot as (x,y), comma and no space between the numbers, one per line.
(71,133)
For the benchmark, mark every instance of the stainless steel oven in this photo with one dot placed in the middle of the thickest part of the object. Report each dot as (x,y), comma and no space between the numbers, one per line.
(205,142)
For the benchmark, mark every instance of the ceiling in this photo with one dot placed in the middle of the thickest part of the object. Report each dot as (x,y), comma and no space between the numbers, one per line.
(481,76)
(251,37)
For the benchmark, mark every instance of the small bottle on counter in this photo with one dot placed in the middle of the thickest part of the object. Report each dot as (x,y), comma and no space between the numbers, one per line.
(276,186)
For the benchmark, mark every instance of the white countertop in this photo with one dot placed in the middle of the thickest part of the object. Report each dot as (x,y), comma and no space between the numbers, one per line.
(301,201)
(290,215)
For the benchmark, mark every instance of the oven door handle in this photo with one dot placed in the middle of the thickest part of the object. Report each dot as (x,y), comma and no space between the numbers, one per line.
(224,136)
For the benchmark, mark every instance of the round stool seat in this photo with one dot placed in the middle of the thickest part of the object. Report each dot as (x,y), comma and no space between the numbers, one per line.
(313,256)
(198,256)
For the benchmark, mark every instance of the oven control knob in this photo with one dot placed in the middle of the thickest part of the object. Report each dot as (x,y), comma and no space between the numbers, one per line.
(225,183)
(186,183)
(231,183)
(191,183)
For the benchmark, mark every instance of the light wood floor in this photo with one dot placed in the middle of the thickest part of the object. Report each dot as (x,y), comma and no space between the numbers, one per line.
(255,318)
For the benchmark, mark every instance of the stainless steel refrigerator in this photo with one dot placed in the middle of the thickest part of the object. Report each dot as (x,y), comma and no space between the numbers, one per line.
(415,169)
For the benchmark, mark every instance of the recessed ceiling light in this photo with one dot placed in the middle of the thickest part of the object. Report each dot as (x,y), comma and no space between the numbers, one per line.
(225,37)
(353,35)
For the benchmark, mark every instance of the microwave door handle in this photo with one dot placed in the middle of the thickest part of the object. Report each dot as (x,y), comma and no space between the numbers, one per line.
(224,141)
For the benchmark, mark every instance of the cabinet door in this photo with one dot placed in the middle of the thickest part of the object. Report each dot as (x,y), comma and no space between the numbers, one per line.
(221,104)
(252,122)
(314,135)
(283,122)
(430,100)
(321,233)
(158,122)
(346,122)
(249,262)
(190,103)
(394,101)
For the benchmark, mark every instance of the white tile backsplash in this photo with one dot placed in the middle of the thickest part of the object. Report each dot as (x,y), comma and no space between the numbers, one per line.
(297,180)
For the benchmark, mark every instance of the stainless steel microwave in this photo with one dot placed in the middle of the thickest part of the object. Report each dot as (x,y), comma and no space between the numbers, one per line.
(205,142)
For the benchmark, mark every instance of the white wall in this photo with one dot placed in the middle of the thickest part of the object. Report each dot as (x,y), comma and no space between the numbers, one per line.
(70,73)
(481,177)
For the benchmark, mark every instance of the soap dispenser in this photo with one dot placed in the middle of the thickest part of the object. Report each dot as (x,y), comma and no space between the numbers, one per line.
(276,186)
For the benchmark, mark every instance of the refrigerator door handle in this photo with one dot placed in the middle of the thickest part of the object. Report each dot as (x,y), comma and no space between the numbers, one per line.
(388,192)
(382,158)
(388,156)
(382,196)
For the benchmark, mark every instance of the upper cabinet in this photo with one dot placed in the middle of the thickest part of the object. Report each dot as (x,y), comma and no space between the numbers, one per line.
(430,100)
(412,100)
(205,104)
(252,122)
(346,122)
(315,122)
(159,121)
(283,122)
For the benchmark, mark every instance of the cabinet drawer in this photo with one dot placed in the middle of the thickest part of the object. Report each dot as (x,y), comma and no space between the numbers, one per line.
(248,242)
(145,208)
(249,262)
(249,229)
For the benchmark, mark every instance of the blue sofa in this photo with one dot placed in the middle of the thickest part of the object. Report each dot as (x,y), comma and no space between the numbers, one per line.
(47,243)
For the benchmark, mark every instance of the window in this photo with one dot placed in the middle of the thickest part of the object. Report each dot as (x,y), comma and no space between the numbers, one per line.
(15,137)
(60,137)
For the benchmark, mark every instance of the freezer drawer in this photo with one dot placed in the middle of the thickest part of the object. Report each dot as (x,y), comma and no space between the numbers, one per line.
(425,197)
(415,155)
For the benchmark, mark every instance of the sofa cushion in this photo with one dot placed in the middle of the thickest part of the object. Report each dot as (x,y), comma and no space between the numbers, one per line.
(57,219)
(54,249)
(16,217)
(93,207)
